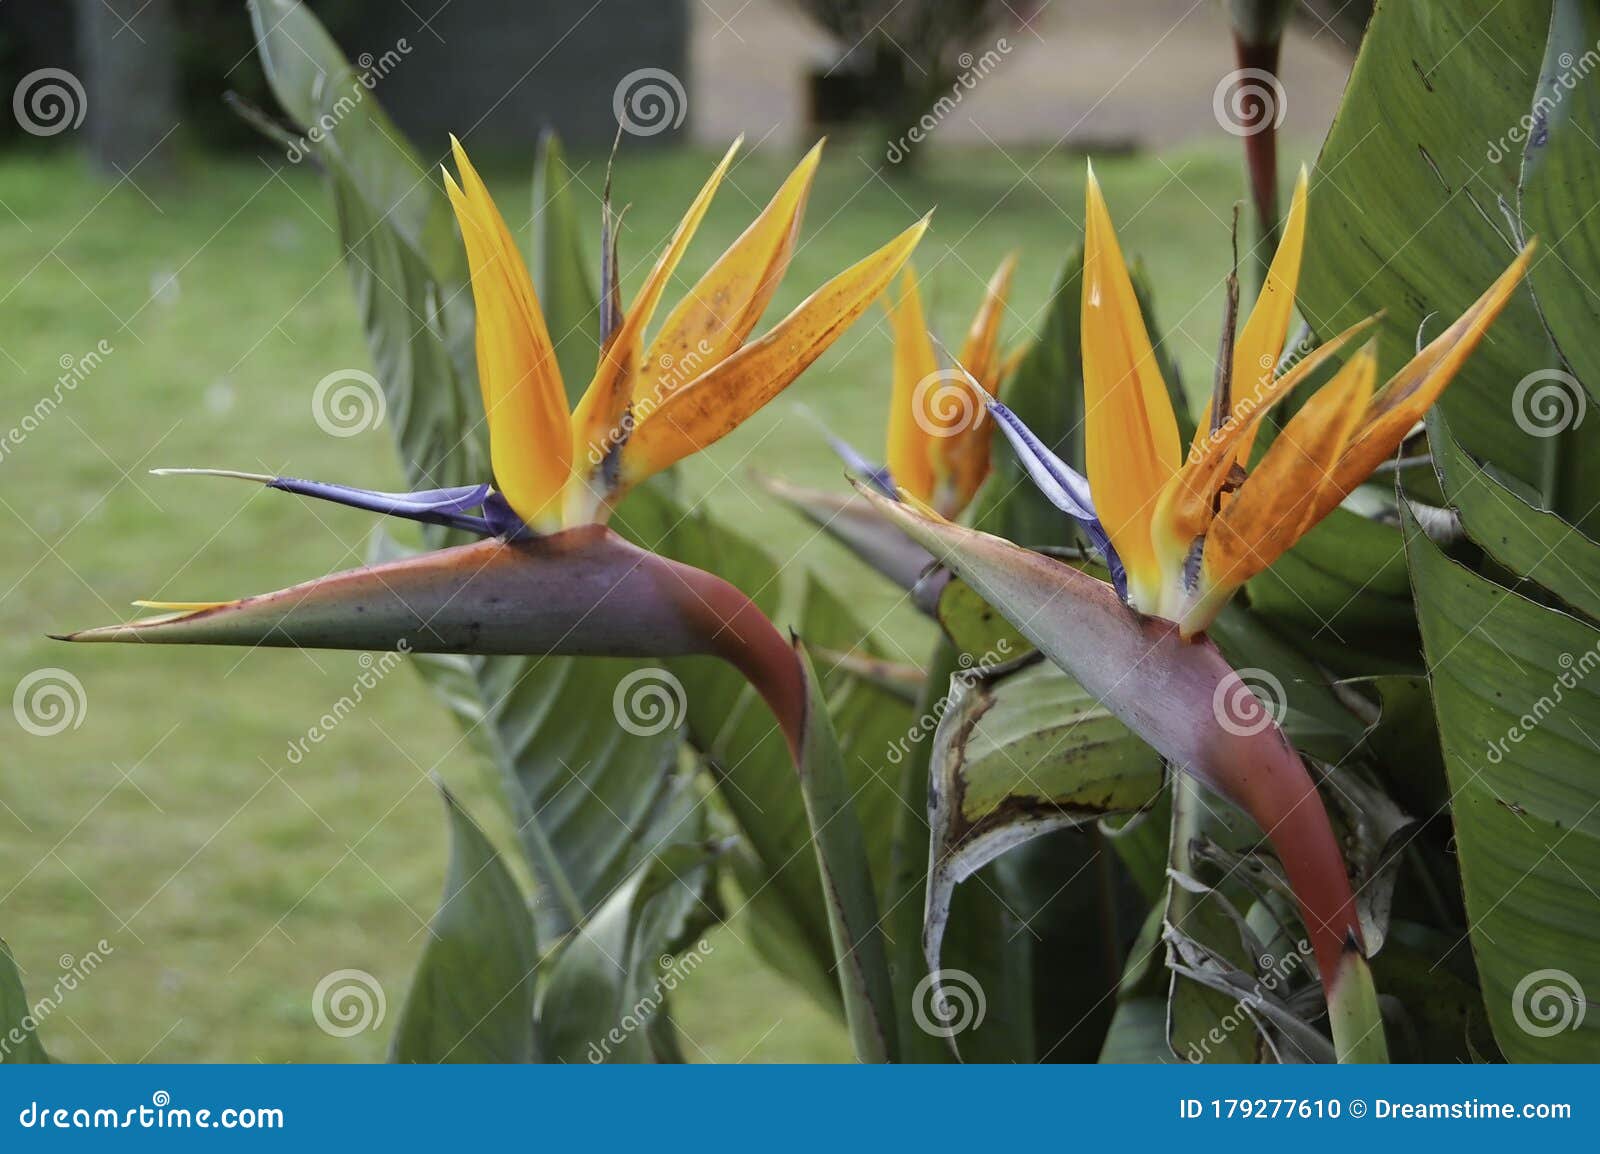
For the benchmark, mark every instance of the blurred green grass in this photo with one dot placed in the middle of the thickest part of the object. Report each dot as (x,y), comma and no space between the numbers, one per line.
(170,822)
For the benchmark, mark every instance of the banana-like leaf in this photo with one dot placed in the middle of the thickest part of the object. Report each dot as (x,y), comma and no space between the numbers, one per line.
(847,884)
(1015,759)
(1137,1034)
(992,1016)
(1431,997)
(1403,743)
(1560,171)
(1342,594)
(472,996)
(607,993)
(1519,714)
(18,1027)
(1404,213)
(1539,546)
(1416,205)
(589,799)
(561,270)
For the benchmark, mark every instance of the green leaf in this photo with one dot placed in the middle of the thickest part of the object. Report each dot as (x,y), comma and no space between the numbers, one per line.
(1205,1024)
(1404,743)
(1536,545)
(847,885)
(606,995)
(1342,588)
(1432,997)
(561,272)
(1519,717)
(19,1038)
(1560,171)
(989,944)
(1017,758)
(1403,212)
(1137,1036)
(472,997)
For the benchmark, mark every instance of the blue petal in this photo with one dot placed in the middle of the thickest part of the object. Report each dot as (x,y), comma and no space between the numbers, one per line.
(875,475)
(502,519)
(1063,486)
(457,499)
(446,507)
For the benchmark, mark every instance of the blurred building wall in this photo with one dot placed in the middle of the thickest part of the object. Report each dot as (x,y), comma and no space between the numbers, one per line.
(1088,74)
(500,70)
